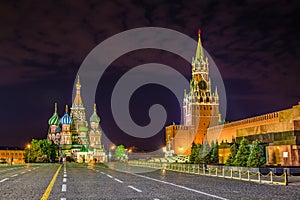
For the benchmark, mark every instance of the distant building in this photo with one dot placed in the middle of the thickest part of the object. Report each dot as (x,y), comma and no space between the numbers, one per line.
(74,135)
(11,155)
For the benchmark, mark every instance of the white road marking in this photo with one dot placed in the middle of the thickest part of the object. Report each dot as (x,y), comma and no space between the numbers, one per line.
(138,190)
(64,188)
(63,198)
(102,172)
(65,175)
(156,199)
(118,180)
(64,180)
(180,186)
(4,180)
(14,175)
(109,176)
(23,172)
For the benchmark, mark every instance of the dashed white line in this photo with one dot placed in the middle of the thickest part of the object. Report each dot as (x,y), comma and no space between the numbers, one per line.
(138,190)
(156,199)
(65,175)
(109,176)
(102,172)
(180,186)
(118,180)
(63,198)
(14,175)
(4,180)
(64,188)
(64,180)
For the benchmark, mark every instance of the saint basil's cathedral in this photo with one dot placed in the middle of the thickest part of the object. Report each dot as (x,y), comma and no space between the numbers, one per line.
(75,136)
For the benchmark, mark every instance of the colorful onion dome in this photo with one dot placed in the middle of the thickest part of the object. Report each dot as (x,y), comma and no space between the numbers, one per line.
(66,119)
(95,117)
(54,120)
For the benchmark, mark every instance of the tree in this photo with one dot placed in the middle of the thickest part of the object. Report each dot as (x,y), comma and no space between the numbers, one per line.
(120,152)
(256,157)
(41,151)
(242,155)
(197,153)
(214,158)
(231,157)
(205,153)
(193,154)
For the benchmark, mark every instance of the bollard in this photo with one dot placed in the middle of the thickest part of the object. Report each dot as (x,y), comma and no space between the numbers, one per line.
(248,175)
(240,174)
(271,179)
(230,173)
(286,181)
(223,171)
(259,177)
(216,171)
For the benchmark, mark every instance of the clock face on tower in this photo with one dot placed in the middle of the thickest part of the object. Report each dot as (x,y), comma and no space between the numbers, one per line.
(202,85)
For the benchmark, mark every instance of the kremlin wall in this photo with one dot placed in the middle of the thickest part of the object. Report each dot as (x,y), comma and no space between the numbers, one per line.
(279,132)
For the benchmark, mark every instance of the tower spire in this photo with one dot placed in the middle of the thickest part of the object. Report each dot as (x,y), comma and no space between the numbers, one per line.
(55,107)
(77,99)
(199,52)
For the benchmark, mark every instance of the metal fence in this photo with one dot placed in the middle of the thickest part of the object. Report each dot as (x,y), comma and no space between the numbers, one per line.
(269,178)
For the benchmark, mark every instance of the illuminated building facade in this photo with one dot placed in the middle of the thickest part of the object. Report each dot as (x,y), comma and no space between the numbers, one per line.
(11,155)
(74,135)
(279,132)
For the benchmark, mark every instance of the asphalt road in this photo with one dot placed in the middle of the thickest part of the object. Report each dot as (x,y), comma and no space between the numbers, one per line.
(78,181)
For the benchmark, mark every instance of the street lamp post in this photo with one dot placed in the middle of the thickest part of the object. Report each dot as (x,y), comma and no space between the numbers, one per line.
(110,152)
(28,152)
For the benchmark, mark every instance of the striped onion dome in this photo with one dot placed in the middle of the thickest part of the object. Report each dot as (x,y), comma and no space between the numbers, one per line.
(54,120)
(95,117)
(66,119)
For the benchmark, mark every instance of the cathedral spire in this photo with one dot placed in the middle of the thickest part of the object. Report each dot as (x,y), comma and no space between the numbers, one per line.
(199,52)
(77,99)
(55,107)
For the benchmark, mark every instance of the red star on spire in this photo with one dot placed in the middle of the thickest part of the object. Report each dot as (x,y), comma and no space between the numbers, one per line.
(199,31)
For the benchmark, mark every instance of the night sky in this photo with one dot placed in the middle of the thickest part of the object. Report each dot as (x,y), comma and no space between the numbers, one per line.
(255,45)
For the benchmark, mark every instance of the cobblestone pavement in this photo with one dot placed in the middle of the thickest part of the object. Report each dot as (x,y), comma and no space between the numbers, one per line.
(79,181)
(25,181)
